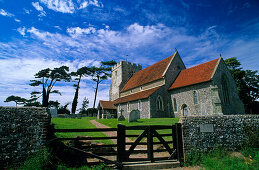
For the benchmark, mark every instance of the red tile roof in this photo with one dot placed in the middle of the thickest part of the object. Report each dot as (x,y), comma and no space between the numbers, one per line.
(197,74)
(136,96)
(107,104)
(149,74)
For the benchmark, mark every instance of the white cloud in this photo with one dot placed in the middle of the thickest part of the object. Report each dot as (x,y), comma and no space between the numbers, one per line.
(77,31)
(68,6)
(88,46)
(17,20)
(16,73)
(39,8)
(5,13)
(21,31)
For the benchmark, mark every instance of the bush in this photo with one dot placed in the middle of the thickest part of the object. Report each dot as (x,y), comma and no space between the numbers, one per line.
(38,160)
(90,112)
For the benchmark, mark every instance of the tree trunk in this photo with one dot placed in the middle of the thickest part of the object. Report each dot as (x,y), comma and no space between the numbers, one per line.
(74,104)
(44,98)
(97,84)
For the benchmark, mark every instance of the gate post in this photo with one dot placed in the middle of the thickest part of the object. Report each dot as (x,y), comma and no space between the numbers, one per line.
(174,137)
(179,143)
(121,145)
(150,144)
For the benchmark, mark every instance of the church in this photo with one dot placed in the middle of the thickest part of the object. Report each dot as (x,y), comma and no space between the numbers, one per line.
(169,89)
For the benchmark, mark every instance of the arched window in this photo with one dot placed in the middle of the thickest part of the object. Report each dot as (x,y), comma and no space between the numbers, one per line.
(139,105)
(159,103)
(128,107)
(174,105)
(119,108)
(185,110)
(224,84)
(195,97)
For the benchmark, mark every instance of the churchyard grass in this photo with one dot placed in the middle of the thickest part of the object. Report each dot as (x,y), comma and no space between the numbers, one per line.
(142,122)
(72,123)
(219,158)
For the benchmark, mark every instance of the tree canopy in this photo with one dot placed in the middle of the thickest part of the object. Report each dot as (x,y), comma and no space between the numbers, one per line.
(101,73)
(247,82)
(18,100)
(84,71)
(48,78)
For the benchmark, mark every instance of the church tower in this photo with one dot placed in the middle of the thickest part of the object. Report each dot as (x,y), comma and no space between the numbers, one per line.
(121,73)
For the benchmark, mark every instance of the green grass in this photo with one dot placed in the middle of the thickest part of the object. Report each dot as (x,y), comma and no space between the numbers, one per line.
(71,123)
(142,122)
(221,159)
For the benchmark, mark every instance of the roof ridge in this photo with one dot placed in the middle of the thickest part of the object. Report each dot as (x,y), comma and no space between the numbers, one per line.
(148,74)
(201,64)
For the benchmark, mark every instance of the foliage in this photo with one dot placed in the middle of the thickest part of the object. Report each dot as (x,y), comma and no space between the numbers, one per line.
(247,82)
(84,71)
(18,100)
(101,73)
(91,111)
(38,160)
(220,158)
(84,123)
(84,106)
(63,109)
(47,78)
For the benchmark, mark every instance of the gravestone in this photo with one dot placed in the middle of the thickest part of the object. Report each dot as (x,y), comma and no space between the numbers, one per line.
(121,117)
(134,116)
(53,111)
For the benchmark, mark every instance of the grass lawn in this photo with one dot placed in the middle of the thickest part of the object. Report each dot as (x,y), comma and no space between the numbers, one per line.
(71,123)
(142,122)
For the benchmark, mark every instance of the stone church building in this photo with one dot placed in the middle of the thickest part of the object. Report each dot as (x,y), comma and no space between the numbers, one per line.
(168,89)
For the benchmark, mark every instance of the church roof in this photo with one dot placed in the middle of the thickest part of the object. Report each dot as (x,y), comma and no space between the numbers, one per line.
(149,74)
(136,96)
(107,104)
(194,75)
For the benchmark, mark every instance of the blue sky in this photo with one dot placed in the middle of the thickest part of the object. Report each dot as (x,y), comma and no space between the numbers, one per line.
(49,33)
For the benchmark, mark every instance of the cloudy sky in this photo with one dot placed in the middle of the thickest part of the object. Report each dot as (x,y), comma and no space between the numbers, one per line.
(39,34)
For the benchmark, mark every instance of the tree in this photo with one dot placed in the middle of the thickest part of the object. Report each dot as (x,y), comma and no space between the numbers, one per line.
(79,73)
(101,73)
(84,106)
(33,100)
(247,82)
(18,100)
(48,78)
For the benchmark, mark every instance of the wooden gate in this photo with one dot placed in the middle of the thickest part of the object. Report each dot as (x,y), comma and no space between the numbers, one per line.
(124,148)
(174,146)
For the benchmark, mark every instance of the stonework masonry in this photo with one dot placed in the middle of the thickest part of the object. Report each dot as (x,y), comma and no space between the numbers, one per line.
(23,130)
(229,131)
(121,73)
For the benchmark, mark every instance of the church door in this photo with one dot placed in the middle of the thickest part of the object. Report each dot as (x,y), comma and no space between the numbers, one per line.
(185,110)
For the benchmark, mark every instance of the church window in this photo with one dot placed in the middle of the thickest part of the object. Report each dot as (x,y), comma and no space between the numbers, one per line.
(139,105)
(185,109)
(128,107)
(174,105)
(115,73)
(159,104)
(225,91)
(141,88)
(119,108)
(195,97)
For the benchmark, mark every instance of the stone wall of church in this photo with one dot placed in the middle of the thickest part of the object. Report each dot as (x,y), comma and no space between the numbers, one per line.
(173,70)
(205,95)
(163,93)
(144,108)
(235,105)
